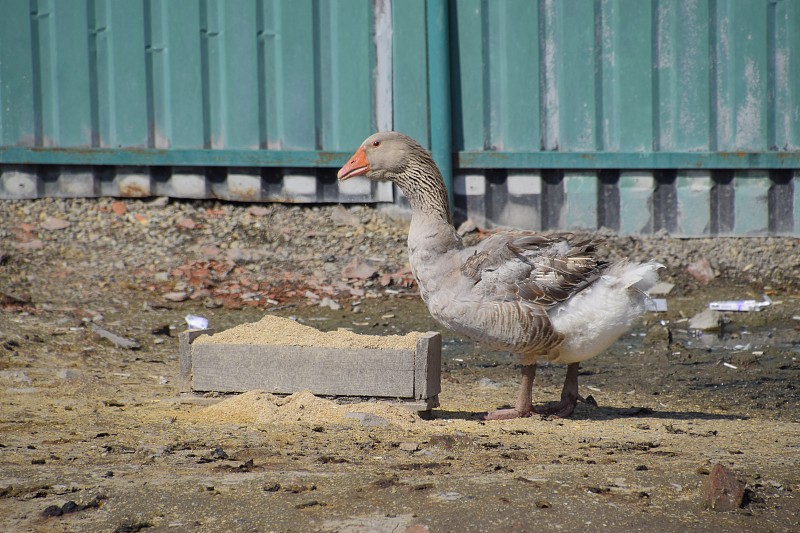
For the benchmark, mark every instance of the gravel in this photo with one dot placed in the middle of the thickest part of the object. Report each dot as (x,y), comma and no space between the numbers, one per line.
(266,254)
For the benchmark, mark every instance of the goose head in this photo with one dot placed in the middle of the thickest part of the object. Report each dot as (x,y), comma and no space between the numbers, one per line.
(395,157)
(382,156)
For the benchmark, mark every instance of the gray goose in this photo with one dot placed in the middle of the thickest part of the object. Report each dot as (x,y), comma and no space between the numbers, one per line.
(536,295)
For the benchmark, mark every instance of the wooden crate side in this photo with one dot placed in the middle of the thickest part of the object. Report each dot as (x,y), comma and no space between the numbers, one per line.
(428,366)
(186,338)
(289,369)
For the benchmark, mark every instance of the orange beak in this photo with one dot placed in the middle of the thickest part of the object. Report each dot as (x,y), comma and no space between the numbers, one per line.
(357,166)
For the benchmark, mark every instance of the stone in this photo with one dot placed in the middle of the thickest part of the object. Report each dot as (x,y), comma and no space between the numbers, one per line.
(119,208)
(368,419)
(705,320)
(330,303)
(186,223)
(358,269)
(343,217)
(177,296)
(486,383)
(409,446)
(55,224)
(701,271)
(723,491)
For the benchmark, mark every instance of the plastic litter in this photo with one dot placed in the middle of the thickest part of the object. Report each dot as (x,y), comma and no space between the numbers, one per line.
(196,322)
(656,305)
(740,305)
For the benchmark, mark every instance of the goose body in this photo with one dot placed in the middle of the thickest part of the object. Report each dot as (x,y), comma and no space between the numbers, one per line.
(539,296)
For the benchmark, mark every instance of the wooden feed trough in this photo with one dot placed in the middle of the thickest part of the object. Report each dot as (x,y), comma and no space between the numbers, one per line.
(408,370)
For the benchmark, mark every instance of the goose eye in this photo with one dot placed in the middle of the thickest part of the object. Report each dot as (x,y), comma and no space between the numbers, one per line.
(376,143)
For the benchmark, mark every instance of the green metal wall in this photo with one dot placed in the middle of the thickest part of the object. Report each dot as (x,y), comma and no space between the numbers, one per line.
(627,76)
(638,115)
(239,74)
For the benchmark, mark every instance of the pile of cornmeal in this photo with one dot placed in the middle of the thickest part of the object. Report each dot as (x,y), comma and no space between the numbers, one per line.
(274,330)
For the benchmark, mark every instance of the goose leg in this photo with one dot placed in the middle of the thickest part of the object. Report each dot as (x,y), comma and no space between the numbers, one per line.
(524,407)
(569,396)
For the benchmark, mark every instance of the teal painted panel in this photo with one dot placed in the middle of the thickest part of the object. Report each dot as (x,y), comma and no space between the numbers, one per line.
(410,65)
(296,81)
(682,74)
(740,55)
(346,52)
(117,40)
(626,100)
(575,73)
(270,109)
(63,57)
(470,95)
(693,195)
(580,201)
(751,203)
(17,104)
(785,75)
(159,116)
(230,35)
(513,75)
(183,90)
(636,203)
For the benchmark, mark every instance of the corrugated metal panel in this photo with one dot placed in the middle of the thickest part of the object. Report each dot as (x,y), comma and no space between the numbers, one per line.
(628,86)
(638,115)
(627,76)
(234,74)
(185,84)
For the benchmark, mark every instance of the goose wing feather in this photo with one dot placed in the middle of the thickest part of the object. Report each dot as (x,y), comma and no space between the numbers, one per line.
(540,270)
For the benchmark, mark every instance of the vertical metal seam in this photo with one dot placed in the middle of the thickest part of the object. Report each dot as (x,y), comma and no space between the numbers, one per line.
(316,49)
(148,73)
(599,138)
(280,115)
(261,73)
(655,61)
(205,82)
(383,88)
(772,67)
(486,109)
(552,97)
(36,69)
(542,44)
(94,98)
(713,83)
(222,125)
(440,123)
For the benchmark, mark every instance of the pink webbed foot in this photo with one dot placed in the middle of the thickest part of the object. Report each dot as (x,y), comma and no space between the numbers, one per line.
(569,396)
(562,409)
(523,408)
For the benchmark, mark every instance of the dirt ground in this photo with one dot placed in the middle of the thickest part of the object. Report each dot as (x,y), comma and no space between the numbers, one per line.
(95,437)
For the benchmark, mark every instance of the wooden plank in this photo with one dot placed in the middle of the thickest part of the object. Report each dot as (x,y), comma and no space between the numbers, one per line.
(289,369)
(186,339)
(428,366)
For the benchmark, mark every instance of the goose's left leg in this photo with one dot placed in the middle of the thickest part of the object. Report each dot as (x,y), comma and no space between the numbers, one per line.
(569,396)
(524,406)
